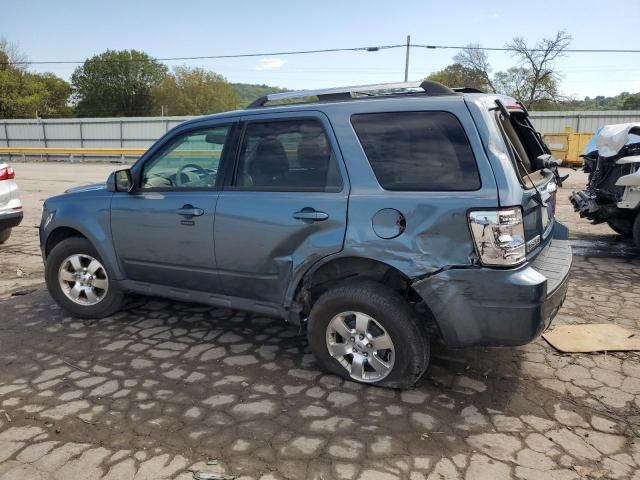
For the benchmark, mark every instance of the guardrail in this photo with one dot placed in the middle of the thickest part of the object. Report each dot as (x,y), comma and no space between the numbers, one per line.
(565,146)
(71,153)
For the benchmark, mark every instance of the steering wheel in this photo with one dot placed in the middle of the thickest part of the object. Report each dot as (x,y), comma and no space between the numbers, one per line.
(198,169)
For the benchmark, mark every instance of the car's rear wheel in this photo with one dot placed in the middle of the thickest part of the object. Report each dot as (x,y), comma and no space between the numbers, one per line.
(79,281)
(367,333)
(4,235)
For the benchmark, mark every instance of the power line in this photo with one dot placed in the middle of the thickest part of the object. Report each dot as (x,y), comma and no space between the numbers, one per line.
(325,50)
(510,49)
(213,57)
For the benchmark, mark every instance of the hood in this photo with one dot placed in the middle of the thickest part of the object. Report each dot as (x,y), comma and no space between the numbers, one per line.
(610,139)
(87,188)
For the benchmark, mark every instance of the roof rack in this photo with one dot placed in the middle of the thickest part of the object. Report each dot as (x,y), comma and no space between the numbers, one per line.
(467,90)
(427,87)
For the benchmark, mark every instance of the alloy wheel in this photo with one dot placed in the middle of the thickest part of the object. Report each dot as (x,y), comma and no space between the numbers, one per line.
(83,279)
(361,345)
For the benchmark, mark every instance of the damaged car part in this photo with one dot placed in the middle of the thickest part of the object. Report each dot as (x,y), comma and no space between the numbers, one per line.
(612,195)
(380,217)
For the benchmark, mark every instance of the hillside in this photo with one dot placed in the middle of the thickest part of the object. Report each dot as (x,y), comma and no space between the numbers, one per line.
(249,92)
(623,101)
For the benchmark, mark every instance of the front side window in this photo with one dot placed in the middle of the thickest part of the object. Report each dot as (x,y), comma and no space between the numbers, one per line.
(417,151)
(190,162)
(287,155)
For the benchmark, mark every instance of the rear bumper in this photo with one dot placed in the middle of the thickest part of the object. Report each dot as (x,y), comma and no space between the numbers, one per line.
(491,307)
(9,220)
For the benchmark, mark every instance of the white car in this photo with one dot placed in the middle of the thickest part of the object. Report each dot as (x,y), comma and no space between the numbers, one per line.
(10,205)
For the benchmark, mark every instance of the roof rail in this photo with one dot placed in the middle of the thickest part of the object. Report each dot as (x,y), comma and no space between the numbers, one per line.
(345,93)
(467,90)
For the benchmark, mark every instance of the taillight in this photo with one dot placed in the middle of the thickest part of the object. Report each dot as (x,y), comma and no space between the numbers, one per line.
(7,173)
(498,236)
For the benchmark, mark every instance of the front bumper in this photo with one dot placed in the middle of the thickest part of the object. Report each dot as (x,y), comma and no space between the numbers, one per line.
(9,220)
(491,307)
(586,204)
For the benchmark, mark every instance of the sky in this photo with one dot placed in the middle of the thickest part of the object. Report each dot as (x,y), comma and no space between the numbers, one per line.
(77,29)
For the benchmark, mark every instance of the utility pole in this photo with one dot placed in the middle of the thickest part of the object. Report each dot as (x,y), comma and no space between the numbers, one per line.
(406,60)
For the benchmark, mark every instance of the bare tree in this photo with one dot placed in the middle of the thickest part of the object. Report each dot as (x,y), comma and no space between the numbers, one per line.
(13,55)
(476,59)
(539,60)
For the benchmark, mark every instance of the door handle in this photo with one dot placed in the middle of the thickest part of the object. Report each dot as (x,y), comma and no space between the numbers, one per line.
(189,211)
(310,215)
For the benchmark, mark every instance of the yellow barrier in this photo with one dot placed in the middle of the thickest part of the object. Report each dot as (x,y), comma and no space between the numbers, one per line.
(102,152)
(71,151)
(567,146)
(107,152)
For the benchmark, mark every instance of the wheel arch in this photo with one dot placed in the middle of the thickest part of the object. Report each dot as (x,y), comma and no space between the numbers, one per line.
(100,242)
(336,270)
(58,235)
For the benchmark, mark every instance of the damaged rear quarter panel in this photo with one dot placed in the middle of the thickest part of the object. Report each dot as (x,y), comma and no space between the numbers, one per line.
(436,234)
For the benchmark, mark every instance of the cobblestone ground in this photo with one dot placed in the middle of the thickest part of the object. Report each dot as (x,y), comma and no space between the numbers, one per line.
(20,261)
(158,389)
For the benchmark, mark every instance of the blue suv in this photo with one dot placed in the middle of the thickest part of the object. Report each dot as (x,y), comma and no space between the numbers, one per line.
(380,217)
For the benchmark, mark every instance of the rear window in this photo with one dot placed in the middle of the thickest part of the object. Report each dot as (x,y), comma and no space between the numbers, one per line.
(522,140)
(417,151)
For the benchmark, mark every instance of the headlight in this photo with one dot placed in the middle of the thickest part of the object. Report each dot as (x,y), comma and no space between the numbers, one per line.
(498,236)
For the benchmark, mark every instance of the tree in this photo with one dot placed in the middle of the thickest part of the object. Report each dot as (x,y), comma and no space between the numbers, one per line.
(631,102)
(249,92)
(473,58)
(538,60)
(516,82)
(12,54)
(26,95)
(194,91)
(534,81)
(457,75)
(116,83)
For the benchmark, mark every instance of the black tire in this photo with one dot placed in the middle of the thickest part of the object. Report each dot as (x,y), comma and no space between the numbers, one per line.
(4,235)
(391,311)
(622,226)
(636,230)
(108,305)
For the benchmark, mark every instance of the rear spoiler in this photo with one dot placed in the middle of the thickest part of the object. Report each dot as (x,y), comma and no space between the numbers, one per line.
(505,110)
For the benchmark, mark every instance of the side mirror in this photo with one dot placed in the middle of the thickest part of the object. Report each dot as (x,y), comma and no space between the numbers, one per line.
(217,138)
(120,181)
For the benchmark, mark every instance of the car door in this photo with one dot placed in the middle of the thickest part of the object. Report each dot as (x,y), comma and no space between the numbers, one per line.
(284,207)
(163,230)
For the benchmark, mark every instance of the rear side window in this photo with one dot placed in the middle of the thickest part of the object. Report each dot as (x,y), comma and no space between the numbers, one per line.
(417,151)
(289,155)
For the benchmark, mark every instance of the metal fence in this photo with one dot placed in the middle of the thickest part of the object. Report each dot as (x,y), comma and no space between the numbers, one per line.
(87,133)
(141,132)
(580,122)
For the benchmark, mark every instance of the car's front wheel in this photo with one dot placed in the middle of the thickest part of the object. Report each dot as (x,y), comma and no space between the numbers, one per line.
(366,332)
(79,281)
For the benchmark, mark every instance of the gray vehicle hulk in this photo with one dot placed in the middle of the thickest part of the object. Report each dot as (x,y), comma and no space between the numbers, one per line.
(380,217)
